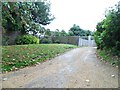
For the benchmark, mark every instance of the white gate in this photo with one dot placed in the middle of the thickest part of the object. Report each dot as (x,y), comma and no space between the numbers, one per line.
(86,41)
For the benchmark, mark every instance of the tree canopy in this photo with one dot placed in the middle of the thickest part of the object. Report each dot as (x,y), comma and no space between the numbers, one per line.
(75,30)
(25,16)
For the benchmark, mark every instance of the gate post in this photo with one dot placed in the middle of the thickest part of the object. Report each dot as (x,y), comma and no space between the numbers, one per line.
(89,40)
(80,41)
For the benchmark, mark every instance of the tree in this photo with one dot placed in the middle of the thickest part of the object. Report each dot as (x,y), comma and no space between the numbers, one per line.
(48,32)
(41,13)
(100,26)
(57,32)
(109,29)
(88,32)
(63,33)
(75,30)
(22,15)
(111,36)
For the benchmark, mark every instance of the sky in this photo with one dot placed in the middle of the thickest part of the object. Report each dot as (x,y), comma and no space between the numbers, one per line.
(85,13)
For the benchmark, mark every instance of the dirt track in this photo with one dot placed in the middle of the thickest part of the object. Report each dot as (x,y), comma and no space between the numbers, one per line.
(78,68)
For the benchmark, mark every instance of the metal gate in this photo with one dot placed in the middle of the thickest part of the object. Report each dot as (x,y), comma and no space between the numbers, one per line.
(86,41)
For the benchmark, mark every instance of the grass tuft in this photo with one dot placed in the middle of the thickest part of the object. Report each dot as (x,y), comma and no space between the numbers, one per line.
(107,56)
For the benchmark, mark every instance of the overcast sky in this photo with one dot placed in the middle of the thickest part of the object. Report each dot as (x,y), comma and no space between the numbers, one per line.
(85,13)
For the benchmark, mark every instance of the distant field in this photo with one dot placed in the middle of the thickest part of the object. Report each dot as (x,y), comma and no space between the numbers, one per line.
(19,56)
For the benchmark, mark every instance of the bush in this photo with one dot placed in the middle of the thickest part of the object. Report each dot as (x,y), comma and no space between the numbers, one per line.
(46,40)
(57,41)
(5,40)
(117,45)
(97,39)
(26,39)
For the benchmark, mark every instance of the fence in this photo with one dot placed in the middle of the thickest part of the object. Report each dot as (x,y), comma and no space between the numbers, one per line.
(75,40)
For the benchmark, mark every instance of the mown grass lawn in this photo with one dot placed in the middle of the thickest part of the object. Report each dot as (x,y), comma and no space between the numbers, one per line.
(19,56)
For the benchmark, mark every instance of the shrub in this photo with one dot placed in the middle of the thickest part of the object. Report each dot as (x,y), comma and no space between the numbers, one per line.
(5,40)
(26,39)
(117,45)
(57,41)
(97,39)
(46,40)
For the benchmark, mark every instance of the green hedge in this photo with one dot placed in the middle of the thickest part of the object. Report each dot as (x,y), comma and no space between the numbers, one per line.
(26,39)
(46,40)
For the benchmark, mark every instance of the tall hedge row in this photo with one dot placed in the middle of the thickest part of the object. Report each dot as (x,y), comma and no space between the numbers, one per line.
(107,34)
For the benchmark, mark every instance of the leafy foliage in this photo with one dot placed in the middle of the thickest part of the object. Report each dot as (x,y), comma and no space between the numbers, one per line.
(43,18)
(57,32)
(47,32)
(57,41)
(108,31)
(63,33)
(25,16)
(77,31)
(5,40)
(46,40)
(27,39)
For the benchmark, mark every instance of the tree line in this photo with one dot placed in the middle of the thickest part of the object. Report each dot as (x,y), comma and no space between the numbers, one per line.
(75,30)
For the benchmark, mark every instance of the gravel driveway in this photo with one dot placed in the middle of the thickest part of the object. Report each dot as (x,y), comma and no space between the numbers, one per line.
(78,68)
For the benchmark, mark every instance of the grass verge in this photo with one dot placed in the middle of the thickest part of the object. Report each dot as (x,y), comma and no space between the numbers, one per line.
(108,57)
(20,56)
